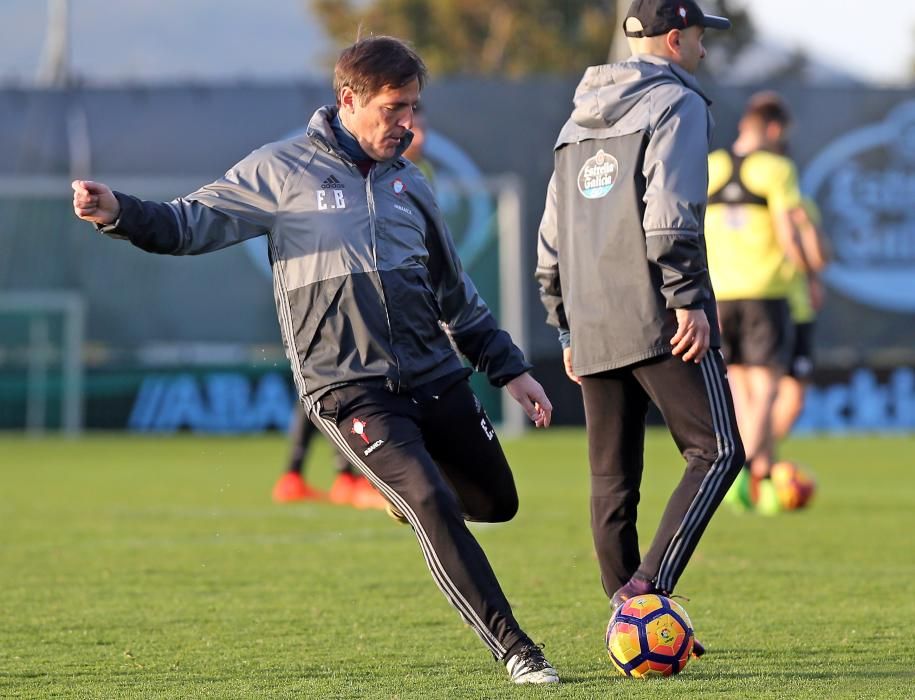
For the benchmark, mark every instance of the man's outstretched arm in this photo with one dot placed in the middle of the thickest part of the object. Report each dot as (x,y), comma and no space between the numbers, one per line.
(151,226)
(242,204)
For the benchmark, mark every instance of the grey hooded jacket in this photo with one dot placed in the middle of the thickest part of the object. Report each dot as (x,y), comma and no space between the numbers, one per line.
(367,282)
(621,241)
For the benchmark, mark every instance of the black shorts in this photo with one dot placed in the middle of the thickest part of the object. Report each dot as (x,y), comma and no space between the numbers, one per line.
(801,364)
(756,332)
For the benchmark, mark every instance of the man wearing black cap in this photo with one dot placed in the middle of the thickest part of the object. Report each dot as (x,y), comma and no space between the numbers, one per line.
(624,277)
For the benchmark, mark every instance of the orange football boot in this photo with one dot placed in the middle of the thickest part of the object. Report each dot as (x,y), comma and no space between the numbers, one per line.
(292,487)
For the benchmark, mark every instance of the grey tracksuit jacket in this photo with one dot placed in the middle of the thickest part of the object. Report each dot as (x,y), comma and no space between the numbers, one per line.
(364,269)
(621,242)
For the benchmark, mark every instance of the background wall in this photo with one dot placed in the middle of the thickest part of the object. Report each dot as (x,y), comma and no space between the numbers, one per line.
(855,148)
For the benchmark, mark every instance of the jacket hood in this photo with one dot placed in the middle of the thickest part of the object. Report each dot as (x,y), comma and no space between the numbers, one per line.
(607,93)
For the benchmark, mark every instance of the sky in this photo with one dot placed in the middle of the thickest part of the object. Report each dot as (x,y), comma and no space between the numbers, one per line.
(181,40)
(879,48)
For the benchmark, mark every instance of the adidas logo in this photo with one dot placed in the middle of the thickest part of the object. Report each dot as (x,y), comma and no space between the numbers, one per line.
(331,183)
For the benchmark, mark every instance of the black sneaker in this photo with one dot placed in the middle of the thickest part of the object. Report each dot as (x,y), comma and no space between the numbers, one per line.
(530,666)
(637,587)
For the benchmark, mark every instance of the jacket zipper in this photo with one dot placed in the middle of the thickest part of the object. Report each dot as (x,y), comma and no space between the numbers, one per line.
(370,197)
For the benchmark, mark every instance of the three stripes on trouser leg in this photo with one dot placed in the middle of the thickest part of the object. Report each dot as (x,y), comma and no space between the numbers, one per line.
(436,568)
(715,481)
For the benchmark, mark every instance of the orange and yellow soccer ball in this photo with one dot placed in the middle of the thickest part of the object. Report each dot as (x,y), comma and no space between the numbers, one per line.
(649,635)
(794,486)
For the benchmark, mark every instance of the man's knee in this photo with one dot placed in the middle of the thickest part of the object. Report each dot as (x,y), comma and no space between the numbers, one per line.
(727,454)
(763,382)
(609,507)
(432,499)
(499,510)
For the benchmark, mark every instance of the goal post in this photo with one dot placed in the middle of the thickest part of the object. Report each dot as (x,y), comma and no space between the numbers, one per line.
(512,277)
(43,337)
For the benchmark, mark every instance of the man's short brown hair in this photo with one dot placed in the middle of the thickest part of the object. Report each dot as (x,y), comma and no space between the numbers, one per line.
(377,62)
(768,106)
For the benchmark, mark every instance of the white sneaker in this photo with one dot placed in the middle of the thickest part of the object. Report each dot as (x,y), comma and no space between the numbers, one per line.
(530,666)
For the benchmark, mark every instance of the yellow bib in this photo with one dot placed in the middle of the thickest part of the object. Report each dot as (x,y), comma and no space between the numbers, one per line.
(745,258)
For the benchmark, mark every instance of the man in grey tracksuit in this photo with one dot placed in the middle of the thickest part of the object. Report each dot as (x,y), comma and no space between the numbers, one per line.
(623,275)
(370,296)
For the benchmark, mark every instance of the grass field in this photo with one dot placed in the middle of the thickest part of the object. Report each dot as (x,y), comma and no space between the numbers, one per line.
(141,568)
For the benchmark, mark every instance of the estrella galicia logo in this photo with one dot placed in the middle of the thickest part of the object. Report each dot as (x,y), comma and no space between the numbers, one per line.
(598,175)
(864,182)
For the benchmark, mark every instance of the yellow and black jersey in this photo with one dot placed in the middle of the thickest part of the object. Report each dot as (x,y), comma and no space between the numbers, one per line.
(746,260)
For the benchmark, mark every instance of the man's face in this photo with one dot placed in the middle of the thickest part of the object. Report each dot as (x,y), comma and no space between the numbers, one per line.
(691,50)
(380,123)
(776,137)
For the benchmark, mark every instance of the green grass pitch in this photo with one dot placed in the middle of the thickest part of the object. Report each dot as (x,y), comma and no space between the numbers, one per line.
(145,568)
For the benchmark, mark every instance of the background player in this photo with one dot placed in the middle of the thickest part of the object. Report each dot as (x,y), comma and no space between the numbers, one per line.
(753,250)
(805,299)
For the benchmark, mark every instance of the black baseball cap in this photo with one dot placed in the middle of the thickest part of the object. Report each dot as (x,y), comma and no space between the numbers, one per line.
(656,17)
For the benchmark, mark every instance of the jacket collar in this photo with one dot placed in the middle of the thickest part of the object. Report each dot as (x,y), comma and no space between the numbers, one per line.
(683,75)
(319,130)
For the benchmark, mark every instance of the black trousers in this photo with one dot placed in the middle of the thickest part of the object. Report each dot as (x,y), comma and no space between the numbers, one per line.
(439,462)
(696,403)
